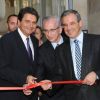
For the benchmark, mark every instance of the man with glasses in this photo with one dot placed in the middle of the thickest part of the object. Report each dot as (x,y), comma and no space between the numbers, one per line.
(52,30)
(47,69)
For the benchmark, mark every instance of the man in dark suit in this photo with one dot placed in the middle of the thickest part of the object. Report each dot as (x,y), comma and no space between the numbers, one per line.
(89,46)
(52,30)
(18,57)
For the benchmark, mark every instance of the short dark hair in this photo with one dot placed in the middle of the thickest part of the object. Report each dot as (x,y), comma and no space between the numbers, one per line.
(11,16)
(26,10)
(39,27)
(67,12)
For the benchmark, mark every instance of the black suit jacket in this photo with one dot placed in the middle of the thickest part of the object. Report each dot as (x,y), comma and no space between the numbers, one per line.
(15,65)
(90,62)
(47,70)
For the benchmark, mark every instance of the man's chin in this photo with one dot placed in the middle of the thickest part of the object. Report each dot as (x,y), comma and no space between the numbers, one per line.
(30,32)
(71,36)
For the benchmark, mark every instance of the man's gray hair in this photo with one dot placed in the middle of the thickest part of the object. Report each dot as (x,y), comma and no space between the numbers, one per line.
(57,19)
(67,12)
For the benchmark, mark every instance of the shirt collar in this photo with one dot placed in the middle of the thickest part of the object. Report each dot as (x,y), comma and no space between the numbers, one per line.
(54,44)
(22,35)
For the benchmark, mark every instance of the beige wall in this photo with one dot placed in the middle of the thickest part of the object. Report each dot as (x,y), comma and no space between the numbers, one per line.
(2,8)
(81,6)
(94,16)
(9,9)
(2,14)
(89,10)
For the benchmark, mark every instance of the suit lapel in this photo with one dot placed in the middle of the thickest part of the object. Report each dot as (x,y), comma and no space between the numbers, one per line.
(21,45)
(50,50)
(35,46)
(86,56)
(68,63)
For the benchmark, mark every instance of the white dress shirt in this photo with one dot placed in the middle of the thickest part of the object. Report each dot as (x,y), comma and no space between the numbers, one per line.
(54,44)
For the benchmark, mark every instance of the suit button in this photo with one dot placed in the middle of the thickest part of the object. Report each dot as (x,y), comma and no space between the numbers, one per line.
(39,93)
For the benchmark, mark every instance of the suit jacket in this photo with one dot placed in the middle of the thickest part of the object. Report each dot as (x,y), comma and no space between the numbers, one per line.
(47,70)
(15,65)
(90,62)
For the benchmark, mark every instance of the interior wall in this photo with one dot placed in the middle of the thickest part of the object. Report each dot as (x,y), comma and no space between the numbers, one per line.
(94,16)
(89,10)
(2,9)
(9,9)
(81,7)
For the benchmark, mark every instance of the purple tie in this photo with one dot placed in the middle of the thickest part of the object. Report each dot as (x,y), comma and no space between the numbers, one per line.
(29,50)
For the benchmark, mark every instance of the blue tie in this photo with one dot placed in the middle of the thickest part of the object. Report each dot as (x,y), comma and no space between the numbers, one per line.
(29,50)
(78,58)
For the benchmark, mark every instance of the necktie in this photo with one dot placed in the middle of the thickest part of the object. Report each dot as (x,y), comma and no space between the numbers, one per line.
(29,50)
(78,58)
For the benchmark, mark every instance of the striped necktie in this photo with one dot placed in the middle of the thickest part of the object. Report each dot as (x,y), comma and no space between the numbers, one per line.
(78,58)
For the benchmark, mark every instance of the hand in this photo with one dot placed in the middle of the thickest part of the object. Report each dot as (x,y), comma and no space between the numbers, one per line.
(27,91)
(47,85)
(30,79)
(90,78)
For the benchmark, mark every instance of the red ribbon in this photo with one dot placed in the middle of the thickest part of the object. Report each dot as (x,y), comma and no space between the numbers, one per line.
(41,83)
(12,88)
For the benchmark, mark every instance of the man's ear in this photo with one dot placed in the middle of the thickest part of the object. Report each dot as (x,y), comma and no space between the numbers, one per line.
(81,23)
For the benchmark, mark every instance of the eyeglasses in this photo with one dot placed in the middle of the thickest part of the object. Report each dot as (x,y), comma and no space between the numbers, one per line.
(51,30)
